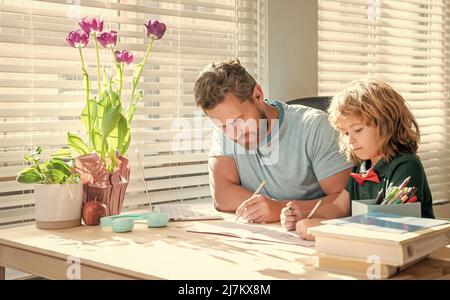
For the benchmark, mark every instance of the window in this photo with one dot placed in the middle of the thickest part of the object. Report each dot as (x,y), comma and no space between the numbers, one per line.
(405,43)
(41,88)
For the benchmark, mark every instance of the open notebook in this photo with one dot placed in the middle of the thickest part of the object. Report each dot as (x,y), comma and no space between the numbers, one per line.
(263,232)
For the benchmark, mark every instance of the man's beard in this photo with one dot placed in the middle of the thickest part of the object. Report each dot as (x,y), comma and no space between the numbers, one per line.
(261,131)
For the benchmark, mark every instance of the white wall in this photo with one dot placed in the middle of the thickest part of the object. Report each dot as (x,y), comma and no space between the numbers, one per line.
(292,37)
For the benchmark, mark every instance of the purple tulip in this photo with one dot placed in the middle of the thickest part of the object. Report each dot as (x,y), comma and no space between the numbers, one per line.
(155,29)
(78,38)
(92,24)
(124,56)
(108,39)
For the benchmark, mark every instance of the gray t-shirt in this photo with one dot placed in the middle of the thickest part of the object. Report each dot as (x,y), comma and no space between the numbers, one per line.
(298,154)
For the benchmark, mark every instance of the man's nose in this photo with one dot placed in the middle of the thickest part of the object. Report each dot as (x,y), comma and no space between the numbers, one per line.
(231,132)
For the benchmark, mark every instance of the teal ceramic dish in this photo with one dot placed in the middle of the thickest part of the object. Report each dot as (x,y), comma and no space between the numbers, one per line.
(157,220)
(122,225)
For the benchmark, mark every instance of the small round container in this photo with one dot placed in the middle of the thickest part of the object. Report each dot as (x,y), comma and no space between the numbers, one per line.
(157,220)
(106,221)
(122,225)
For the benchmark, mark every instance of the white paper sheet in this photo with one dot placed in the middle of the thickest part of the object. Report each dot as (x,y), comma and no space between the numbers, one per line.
(269,232)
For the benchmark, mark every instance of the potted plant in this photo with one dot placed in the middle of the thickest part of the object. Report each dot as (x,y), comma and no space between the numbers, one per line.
(104,170)
(58,192)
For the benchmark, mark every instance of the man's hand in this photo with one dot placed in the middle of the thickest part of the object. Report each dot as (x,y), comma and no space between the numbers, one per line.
(290,215)
(260,209)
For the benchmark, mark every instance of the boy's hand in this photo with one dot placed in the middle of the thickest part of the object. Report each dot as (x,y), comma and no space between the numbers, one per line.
(303,226)
(289,216)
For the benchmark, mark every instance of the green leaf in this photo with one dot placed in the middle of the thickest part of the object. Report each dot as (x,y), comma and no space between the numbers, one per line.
(123,148)
(57,176)
(84,114)
(98,140)
(104,100)
(124,132)
(29,158)
(30,175)
(111,117)
(34,156)
(44,165)
(59,164)
(54,170)
(133,105)
(112,158)
(115,99)
(37,150)
(62,153)
(117,137)
(77,144)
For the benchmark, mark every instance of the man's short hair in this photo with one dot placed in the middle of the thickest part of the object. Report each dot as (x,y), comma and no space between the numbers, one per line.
(217,79)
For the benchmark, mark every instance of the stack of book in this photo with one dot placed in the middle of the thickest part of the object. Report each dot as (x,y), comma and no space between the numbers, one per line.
(377,245)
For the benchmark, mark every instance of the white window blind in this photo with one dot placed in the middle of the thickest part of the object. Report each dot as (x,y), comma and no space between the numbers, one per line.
(447,56)
(41,88)
(404,43)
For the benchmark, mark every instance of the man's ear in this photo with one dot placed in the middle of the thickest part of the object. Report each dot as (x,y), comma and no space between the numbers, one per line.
(258,93)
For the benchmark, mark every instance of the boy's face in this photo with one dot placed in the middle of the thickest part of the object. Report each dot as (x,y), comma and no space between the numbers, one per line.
(241,121)
(363,140)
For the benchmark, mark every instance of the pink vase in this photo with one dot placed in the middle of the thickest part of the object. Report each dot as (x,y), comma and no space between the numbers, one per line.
(100,185)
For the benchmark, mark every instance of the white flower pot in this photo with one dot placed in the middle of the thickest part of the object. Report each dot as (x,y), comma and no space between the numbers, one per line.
(58,205)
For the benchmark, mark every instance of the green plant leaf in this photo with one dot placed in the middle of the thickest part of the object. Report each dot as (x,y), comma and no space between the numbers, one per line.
(37,150)
(57,176)
(31,159)
(123,147)
(111,117)
(116,138)
(77,144)
(34,156)
(115,98)
(59,164)
(98,140)
(62,153)
(30,175)
(112,158)
(132,108)
(104,100)
(54,170)
(84,114)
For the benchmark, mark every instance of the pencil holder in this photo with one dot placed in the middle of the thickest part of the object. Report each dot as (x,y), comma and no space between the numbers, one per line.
(360,207)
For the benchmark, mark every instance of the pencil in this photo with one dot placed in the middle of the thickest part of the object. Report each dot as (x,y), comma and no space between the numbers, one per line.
(254,194)
(314,209)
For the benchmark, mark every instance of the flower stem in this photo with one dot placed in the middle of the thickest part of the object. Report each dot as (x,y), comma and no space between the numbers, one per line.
(98,67)
(136,79)
(86,78)
(119,71)
(122,69)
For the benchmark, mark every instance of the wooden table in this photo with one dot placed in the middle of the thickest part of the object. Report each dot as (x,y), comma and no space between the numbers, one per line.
(169,253)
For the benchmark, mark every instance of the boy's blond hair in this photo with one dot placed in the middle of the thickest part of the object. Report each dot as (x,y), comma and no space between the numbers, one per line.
(379,106)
